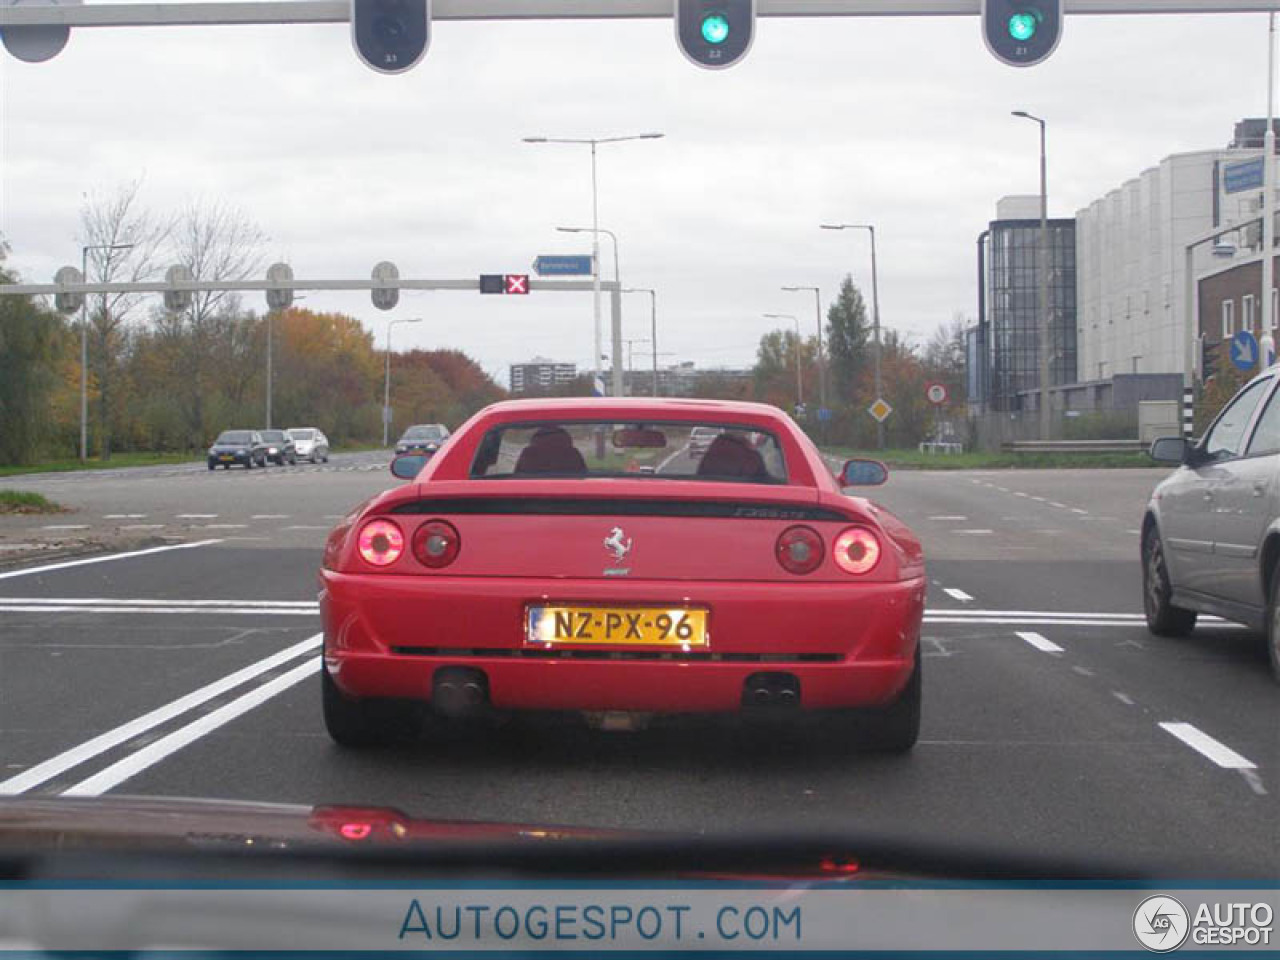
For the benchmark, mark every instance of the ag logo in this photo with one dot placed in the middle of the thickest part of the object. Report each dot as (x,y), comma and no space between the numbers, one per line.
(1161,923)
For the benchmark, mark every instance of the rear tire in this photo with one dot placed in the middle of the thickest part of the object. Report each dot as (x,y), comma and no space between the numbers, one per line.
(364,723)
(1273,624)
(896,728)
(1163,618)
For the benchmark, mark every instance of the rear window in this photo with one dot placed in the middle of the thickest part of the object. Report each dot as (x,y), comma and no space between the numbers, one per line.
(424,433)
(663,451)
(235,436)
(301,434)
(273,436)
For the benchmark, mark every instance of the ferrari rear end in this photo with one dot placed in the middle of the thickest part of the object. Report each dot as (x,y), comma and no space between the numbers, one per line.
(622,597)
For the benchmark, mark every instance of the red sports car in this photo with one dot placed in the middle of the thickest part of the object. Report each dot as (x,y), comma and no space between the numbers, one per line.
(571,555)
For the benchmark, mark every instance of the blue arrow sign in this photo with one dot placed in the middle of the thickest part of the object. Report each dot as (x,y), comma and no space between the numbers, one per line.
(1244,350)
(563,265)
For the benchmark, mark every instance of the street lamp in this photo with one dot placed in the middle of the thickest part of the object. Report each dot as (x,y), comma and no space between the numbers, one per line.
(386,389)
(653,328)
(822,380)
(617,275)
(796,320)
(875,308)
(1042,269)
(595,143)
(84,340)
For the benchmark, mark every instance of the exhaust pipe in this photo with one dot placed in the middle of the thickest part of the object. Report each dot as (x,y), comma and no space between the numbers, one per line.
(771,690)
(457,691)
(473,694)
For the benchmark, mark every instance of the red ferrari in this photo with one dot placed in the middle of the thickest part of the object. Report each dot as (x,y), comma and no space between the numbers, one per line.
(578,555)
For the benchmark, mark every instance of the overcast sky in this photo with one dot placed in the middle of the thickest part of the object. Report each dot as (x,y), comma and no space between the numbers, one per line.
(903,122)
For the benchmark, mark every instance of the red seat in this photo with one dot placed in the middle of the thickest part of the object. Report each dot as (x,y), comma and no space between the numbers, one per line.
(551,450)
(730,456)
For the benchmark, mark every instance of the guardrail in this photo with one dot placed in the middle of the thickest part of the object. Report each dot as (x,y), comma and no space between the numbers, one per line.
(1077,446)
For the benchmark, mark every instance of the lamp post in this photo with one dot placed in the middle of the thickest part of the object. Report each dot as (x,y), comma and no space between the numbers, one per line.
(875,308)
(1042,270)
(796,321)
(617,275)
(822,379)
(595,143)
(653,327)
(84,340)
(386,388)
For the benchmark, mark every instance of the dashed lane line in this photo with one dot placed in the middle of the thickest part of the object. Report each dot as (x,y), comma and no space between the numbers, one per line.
(956,594)
(1039,641)
(1207,746)
(106,558)
(1123,698)
(197,516)
(949,517)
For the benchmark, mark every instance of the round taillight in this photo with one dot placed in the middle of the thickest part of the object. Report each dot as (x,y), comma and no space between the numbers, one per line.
(380,543)
(436,544)
(857,550)
(799,550)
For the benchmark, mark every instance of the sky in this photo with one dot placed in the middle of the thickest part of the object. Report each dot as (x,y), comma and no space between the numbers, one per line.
(901,122)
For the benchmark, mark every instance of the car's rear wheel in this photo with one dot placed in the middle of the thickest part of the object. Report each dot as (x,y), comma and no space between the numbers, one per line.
(365,723)
(1163,618)
(212,465)
(896,728)
(1273,624)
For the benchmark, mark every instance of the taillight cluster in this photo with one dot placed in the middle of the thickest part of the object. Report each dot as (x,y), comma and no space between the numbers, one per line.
(800,550)
(435,544)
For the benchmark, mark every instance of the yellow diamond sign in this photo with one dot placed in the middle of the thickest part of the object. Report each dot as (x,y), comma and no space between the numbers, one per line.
(880,410)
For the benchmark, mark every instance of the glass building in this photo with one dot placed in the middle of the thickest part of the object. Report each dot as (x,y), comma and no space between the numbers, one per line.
(1012,322)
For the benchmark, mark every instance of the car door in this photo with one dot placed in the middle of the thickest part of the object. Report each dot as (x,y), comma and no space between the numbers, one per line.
(1188,505)
(1245,495)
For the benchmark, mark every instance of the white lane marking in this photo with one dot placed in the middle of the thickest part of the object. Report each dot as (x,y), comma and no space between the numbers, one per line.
(143,526)
(949,517)
(1038,499)
(65,526)
(955,594)
(333,516)
(1083,671)
(303,526)
(158,750)
(1137,533)
(975,533)
(1202,743)
(268,611)
(955,616)
(226,526)
(1040,642)
(1003,489)
(1055,503)
(1123,698)
(50,567)
(124,516)
(122,602)
(64,761)
(197,516)
(1078,510)
(1019,493)
(270,516)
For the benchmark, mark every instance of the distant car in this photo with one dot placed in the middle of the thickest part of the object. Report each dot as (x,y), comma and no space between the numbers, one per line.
(423,438)
(1211,534)
(239,447)
(280,447)
(310,444)
(700,439)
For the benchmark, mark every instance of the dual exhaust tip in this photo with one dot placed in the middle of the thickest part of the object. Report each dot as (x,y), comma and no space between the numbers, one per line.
(771,690)
(457,691)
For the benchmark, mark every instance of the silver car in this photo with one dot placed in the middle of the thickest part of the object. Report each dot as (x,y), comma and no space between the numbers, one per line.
(1211,535)
(311,444)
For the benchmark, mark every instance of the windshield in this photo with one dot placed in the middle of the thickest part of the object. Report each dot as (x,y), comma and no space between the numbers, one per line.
(739,416)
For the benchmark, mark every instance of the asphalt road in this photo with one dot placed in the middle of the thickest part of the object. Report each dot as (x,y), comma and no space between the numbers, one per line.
(1053,721)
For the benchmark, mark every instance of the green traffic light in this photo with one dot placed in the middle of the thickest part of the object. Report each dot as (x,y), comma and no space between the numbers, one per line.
(1022,26)
(715,28)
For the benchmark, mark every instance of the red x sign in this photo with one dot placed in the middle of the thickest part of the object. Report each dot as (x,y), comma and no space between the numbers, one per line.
(517,282)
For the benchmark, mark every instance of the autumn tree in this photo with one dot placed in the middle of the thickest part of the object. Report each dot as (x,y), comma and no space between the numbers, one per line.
(848,334)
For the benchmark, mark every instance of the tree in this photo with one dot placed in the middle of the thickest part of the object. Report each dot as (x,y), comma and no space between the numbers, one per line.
(124,241)
(946,358)
(775,369)
(847,337)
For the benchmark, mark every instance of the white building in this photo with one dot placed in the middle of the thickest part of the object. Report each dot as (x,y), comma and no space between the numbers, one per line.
(540,374)
(1131,254)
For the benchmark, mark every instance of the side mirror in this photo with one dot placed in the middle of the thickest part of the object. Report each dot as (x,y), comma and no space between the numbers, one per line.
(409,465)
(863,473)
(1169,450)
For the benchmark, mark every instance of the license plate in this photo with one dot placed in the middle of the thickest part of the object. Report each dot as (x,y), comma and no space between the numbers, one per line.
(682,627)
(226,456)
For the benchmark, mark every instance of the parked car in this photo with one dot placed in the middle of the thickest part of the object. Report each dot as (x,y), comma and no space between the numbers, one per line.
(280,447)
(310,444)
(422,438)
(241,447)
(1211,534)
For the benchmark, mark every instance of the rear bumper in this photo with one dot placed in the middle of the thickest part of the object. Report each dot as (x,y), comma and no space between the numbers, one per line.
(848,645)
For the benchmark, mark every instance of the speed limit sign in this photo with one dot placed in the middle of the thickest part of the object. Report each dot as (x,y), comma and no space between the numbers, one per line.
(937,393)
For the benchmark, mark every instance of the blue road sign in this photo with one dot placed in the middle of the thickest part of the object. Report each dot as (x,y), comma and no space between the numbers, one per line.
(1246,175)
(597,387)
(1244,350)
(556,265)
(824,414)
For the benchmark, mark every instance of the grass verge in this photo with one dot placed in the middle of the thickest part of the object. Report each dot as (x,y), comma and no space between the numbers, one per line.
(117,461)
(20,501)
(915,460)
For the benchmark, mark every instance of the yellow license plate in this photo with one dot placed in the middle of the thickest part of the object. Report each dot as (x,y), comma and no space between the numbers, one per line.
(226,456)
(681,627)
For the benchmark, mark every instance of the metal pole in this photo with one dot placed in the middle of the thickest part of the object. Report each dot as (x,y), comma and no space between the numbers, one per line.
(799,380)
(595,265)
(1043,271)
(386,391)
(822,373)
(875,306)
(615,307)
(1267,339)
(84,362)
(653,322)
(269,380)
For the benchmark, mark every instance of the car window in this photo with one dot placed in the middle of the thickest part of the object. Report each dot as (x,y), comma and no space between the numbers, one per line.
(1266,435)
(658,450)
(1226,439)
(300,434)
(273,436)
(234,436)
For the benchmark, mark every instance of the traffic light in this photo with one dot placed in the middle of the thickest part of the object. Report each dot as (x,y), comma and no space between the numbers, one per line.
(1021,33)
(715,33)
(391,36)
(1208,358)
